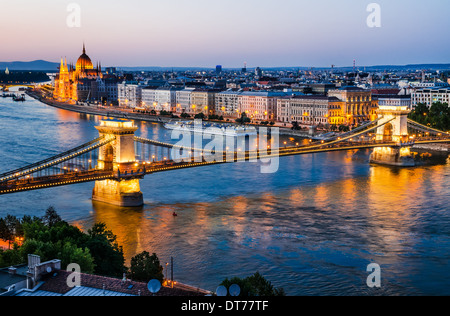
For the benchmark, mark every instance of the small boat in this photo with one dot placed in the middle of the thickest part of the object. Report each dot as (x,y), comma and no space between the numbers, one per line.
(19,98)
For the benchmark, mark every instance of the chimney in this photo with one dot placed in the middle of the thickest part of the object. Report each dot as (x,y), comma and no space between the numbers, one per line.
(37,271)
(33,260)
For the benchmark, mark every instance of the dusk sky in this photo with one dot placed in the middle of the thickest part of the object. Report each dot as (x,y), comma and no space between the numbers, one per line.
(209,32)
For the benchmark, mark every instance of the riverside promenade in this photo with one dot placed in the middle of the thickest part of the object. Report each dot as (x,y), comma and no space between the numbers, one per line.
(100,110)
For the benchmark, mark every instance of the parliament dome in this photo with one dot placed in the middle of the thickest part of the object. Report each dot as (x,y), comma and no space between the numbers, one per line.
(84,62)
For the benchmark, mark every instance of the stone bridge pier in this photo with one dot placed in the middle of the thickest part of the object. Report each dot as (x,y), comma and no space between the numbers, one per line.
(118,157)
(395,130)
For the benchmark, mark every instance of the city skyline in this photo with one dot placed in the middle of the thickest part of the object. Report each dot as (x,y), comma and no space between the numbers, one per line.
(294,34)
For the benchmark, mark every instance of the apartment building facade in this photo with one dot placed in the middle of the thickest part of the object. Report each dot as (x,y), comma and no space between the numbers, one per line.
(184,98)
(310,110)
(227,103)
(430,95)
(129,95)
(160,99)
(203,101)
(260,106)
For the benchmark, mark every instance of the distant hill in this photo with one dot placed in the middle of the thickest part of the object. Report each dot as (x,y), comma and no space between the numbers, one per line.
(36,65)
(429,67)
(42,65)
(23,76)
(156,68)
(414,67)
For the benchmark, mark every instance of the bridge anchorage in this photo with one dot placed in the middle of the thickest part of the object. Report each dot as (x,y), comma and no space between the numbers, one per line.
(119,157)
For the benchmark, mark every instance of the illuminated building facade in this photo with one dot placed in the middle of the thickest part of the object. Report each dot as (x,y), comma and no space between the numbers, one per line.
(310,110)
(83,82)
(203,101)
(356,106)
(227,103)
(259,105)
(184,104)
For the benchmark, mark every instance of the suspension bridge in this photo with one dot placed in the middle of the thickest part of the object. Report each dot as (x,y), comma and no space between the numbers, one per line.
(117,160)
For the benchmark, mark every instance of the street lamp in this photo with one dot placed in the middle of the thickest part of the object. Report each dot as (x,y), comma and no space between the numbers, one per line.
(167,269)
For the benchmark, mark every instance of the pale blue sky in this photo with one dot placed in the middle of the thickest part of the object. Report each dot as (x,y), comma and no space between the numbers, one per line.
(228,32)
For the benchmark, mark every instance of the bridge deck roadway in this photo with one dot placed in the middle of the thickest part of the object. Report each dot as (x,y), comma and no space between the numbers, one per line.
(35,183)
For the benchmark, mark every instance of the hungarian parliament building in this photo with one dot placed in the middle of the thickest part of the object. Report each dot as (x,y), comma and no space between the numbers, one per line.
(83,82)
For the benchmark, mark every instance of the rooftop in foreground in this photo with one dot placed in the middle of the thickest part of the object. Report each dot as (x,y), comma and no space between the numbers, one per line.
(48,279)
(94,285)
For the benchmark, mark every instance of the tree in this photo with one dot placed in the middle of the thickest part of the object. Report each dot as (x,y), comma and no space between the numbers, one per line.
(255,285)
(108,255)
(334,128)
(58,231)
(243,119)
(201,116)
(10,257)
(5,232)
(145,267)
(295,126)
(51,217)
(436,116)
(72,254)
(10,227)
(52,238)
(45,250)
(344,128)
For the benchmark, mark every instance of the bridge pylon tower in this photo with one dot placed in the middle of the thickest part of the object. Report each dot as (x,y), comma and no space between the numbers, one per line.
(393,128)
(118,157)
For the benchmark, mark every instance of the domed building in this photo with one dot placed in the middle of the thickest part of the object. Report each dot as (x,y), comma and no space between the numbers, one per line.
(84,62)
(83,83)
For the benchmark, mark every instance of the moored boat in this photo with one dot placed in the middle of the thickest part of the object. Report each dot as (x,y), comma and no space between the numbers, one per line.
(212,128)
(19,98)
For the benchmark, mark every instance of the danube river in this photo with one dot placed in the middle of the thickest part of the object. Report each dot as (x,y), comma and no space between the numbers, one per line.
(312,228)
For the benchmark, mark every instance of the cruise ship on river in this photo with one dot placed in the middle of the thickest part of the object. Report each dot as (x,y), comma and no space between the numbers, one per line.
(212,128)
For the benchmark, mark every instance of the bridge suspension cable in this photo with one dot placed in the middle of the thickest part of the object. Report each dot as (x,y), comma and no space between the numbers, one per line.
(355,130)
(52,161)
(332,140)
(419,126)
(345,138)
